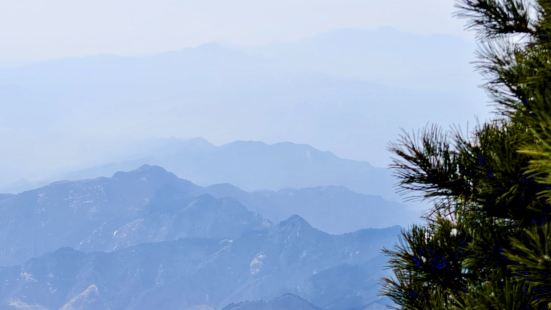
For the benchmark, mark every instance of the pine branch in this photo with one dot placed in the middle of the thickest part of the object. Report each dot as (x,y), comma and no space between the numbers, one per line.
(495,18)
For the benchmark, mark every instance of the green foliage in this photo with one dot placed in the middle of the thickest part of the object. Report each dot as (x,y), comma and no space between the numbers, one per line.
(487,240)
(428,266)
(531,257)
(498,294)
(493,18)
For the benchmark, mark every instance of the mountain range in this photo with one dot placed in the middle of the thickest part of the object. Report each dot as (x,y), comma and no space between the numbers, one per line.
(234,225)
(287,301)
(333,209)
(337,91)
(151,204)
(251,165)
(146,238)
(338,272)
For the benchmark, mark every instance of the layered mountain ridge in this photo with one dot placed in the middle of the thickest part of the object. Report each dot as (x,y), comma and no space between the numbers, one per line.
(150,204)
(146,238)
(291,257)
(284,302)
(251,165)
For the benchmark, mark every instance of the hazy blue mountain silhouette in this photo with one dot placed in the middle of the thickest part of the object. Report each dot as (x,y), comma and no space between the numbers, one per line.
(334,209)
(318,90)
(150,204)
(5,196)
(284,302)
(253,165)
(145,205)
(172,244)
(369,53)
(291,257)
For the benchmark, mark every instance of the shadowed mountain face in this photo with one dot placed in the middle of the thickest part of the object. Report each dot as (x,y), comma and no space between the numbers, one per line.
(150,205)
(5,196)
(145,205)
(285,302)
(333,209)
(291,257)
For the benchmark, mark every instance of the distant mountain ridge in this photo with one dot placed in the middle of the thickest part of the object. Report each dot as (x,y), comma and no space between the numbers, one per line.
(254,165)
(334,209)
(5,196)
(284,302)
(374,51)
(333,90)
(145,205)
(150,204)
(291,257)
(146,238)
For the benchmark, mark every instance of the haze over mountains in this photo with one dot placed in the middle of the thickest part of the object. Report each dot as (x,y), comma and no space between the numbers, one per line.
(334,91)
(287,301)
(338,272)
(167,242)
(385,56)
(151,205)
(251,165)
(135,220)
(146,237)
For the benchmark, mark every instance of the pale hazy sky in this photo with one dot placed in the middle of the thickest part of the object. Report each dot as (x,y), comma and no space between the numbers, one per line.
(33,30)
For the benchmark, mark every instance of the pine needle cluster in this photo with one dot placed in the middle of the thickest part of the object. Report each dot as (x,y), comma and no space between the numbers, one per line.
(486,243)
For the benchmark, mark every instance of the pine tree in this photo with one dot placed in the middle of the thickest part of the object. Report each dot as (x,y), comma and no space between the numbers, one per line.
(486,243)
